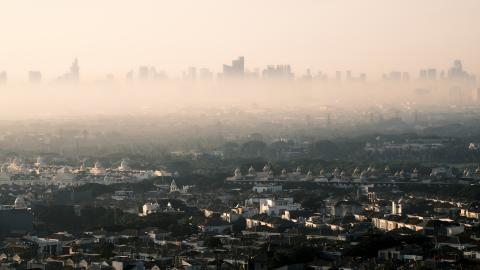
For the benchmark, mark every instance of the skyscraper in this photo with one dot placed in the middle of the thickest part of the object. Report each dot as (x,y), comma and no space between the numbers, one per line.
(456,71)
(3,77)
(338,75)
(236,69)
(205,74)
(34,76)
(277,72)
(75,71)
(143,72)
(190,74)
(432,74)
(348,75)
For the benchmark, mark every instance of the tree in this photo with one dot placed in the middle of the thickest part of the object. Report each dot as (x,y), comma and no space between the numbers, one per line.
(325,149)
(253,148)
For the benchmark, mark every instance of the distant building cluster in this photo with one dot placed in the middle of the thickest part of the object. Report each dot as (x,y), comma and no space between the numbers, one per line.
(237,70)
(18,173)
(370,175)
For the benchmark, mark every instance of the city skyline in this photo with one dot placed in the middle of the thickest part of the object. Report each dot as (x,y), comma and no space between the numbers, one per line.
(239,135)
(239,70)
(338,35)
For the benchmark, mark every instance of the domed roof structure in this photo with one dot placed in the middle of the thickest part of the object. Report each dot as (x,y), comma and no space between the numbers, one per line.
(266,168)
(82,166)
(97,169)
(38,162)
(123,165)
(284,172)
(20,203)
(251,170)
(3,168)
(237,172)
(14,167)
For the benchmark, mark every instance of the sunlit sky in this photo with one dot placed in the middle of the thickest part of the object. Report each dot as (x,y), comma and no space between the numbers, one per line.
(113,36)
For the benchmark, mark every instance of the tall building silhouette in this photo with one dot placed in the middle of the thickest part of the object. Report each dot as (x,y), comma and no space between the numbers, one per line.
(74,73)
(143,72)
(75,70)
(338,75)
(205,74)
(3,77)
(348,75)
(150,73)
(129,75)
(236,69)
(190,74)
(34,76)
(456,71)
(278,72)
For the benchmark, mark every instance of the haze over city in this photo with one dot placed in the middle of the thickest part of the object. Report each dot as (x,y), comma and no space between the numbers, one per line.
(221,134)
(115,36)
(182,41)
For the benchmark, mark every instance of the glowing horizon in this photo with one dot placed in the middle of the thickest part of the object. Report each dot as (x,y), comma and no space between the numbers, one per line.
(117,36)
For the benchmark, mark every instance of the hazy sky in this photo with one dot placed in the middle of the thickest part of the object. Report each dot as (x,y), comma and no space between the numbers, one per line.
(117,35)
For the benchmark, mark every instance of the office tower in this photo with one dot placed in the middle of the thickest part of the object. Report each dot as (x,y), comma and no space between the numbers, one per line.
(423,74)
(348,75)
(190,74)
(3,77)
(143,72)
(395,76)
(406,76)
(457,72)
(321,76)
(308,75)
(457,65)
(397,208)
(75,71)
(431,74)
(157,75)
(73,75)
(363,77)
(129,75)
(205,74)
(442,75)
(34,76)
(236,69)
(338,75)
(278,72)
